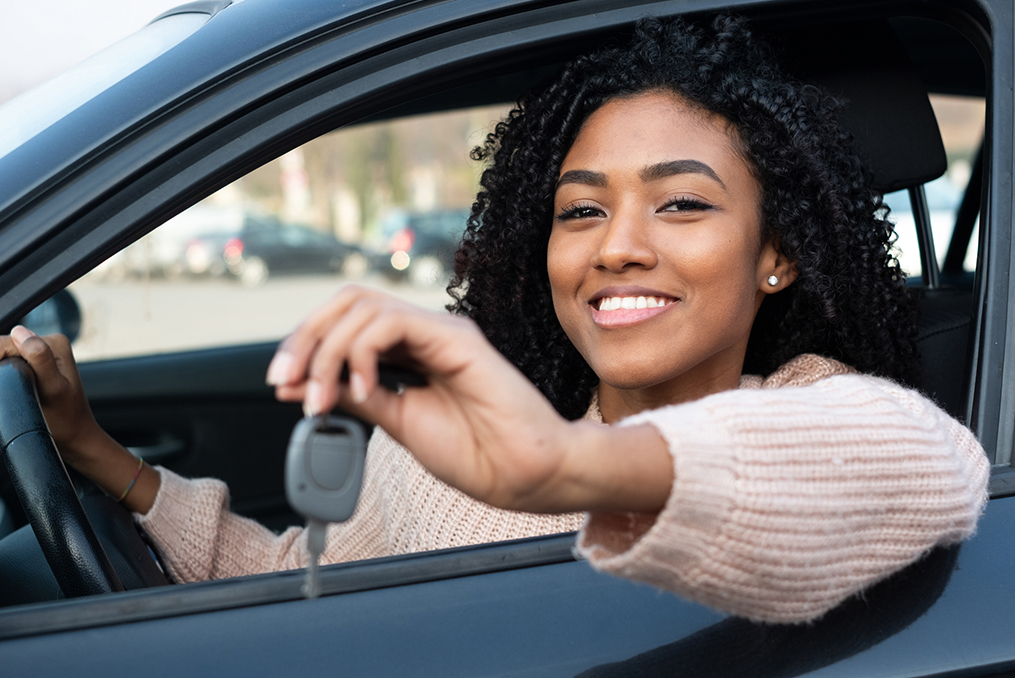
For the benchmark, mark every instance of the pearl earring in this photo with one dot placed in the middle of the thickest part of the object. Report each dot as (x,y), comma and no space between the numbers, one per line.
(773,281)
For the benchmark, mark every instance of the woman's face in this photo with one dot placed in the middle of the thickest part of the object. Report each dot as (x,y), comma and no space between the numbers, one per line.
(655,257)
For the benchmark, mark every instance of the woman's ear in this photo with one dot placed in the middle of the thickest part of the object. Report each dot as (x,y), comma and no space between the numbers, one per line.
(775,271)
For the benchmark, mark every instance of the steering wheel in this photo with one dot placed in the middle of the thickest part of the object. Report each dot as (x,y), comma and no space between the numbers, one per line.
(71,547)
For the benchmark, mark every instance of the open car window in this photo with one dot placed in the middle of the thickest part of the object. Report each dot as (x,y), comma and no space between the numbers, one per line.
(381,204)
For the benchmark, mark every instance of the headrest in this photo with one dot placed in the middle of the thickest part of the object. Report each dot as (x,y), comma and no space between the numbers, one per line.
(887,110)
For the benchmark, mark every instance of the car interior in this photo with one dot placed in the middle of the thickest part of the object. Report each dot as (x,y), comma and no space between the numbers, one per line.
(207,412)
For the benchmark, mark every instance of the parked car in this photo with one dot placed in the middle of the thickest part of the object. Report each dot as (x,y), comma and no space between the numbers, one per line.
(254,80)
(166,252)
(263,246)
(421,245)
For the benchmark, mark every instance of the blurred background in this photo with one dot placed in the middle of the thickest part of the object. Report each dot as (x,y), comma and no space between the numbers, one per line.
(382,204)
(43,38)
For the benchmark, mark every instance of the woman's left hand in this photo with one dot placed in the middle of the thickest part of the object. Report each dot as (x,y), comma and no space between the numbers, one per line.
(478,425)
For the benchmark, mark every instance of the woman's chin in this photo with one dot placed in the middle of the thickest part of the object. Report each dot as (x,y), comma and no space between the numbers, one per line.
(634,379)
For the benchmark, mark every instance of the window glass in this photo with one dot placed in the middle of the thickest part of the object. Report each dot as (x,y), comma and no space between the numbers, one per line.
(961,120)
(382,204)
(30,113)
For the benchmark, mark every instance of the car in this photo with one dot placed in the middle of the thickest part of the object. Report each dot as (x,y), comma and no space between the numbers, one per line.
(421,245)
(263,246)
(248,96)
(245,244)
(166,252)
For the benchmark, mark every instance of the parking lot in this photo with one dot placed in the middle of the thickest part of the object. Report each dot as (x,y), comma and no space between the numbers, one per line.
(135,317)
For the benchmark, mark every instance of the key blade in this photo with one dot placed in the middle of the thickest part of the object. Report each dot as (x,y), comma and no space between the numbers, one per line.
(312,583)
(316,533)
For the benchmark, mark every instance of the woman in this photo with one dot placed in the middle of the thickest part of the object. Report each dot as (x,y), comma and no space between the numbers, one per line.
(656,226)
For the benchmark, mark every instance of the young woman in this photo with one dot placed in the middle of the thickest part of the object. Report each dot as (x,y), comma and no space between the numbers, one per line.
(672,238)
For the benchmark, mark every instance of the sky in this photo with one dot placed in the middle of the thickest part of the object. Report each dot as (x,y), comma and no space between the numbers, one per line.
(42,38)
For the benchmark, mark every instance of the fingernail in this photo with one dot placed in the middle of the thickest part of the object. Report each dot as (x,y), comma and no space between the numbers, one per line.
(21,334)
(357,388)
(313,401)
(280,369)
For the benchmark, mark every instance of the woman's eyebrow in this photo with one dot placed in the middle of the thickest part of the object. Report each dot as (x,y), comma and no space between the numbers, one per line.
(586,177)
(669,168)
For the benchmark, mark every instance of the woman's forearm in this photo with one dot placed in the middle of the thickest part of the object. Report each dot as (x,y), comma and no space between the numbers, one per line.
(788,500)
(615,469)
(110,466)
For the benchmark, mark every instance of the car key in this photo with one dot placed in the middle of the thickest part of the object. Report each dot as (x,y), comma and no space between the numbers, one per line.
(324,468)
(323,474)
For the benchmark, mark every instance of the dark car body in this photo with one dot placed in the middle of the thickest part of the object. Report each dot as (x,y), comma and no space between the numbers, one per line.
(263,247)
(264,76)
(421,246)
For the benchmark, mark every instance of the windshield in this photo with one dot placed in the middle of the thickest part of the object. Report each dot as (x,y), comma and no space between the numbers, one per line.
(25,116)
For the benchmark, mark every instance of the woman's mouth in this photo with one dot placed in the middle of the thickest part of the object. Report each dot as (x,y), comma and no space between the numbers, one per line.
(628,310)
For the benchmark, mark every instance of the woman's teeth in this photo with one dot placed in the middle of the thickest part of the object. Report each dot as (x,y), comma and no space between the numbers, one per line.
(614,303)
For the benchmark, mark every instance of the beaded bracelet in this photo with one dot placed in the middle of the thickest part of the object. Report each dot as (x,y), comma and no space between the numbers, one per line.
(140,463)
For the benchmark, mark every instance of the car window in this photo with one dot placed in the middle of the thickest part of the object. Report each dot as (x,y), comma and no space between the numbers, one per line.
(382,204)
(961,120)
(27,115)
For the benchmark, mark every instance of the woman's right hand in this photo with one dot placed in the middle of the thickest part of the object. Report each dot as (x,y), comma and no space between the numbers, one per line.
(479,424)
(79,438)
(454,424)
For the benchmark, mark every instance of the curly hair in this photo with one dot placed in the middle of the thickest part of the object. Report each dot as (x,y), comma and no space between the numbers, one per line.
(849,301)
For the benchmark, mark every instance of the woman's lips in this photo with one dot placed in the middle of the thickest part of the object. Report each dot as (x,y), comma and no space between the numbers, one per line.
(610,312)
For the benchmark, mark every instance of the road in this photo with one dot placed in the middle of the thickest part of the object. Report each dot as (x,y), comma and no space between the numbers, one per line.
(136,317)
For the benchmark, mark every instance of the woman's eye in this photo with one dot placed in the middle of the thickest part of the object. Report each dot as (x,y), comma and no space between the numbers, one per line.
(685,204)
(579,211)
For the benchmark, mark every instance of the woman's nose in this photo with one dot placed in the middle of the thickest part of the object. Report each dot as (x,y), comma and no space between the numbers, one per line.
(625,243)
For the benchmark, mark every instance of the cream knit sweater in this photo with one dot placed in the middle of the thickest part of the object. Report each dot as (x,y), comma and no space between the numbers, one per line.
(790,495)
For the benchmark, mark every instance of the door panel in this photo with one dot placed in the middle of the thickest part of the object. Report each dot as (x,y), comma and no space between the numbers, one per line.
(504,609)
(209,413)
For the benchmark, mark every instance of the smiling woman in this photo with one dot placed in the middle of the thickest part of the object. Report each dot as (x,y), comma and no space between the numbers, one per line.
(666,209)
(674,239)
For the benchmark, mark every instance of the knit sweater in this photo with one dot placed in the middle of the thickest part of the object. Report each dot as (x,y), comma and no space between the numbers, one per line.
(790,495)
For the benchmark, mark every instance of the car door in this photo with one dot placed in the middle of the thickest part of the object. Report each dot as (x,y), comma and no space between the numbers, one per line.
(519,608)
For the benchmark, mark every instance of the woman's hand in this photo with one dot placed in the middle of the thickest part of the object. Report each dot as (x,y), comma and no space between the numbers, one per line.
(81,441)
(478,425)
(60,393)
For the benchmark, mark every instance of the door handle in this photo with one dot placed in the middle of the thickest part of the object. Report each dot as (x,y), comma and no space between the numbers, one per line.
(164,449)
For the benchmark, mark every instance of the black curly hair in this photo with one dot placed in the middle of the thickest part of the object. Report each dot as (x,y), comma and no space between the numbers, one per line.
(849,301)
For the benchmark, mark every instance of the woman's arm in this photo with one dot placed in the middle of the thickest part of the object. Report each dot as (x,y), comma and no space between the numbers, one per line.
(774,504)
(189,520)
(479,425)
(80,440)
(199,538)
(402,509)
(787,501)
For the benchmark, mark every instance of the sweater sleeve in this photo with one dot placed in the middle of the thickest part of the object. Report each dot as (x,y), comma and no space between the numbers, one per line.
(199,538)
(787,501)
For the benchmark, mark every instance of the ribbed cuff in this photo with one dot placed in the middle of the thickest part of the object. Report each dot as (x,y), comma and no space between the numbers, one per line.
(182,522)
(682,536)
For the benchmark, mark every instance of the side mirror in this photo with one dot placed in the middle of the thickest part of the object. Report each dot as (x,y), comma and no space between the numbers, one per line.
(58,314)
